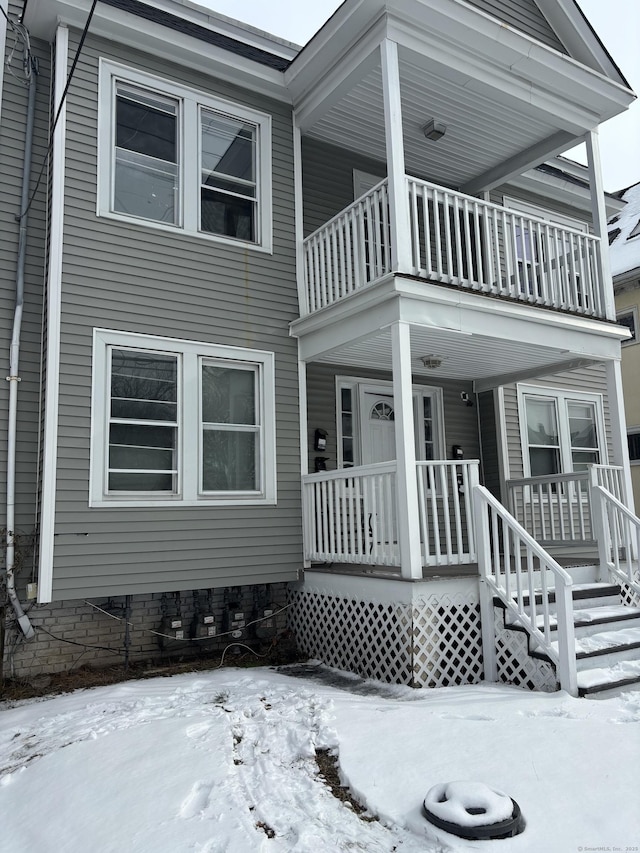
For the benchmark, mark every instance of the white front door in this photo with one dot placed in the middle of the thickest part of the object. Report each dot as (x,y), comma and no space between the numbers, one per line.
(378,427)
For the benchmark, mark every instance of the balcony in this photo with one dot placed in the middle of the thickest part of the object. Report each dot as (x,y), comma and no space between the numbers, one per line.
(458,241)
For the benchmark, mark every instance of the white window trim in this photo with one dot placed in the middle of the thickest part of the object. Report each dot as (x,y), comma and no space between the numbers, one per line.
(632,309)
(188,413)
(189,158)
(560,395)
(356,384)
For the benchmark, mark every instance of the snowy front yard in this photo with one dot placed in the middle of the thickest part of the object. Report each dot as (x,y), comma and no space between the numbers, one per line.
(224,762)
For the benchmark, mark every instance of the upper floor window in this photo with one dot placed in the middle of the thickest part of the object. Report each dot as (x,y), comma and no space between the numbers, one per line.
(178,159)
(180,421)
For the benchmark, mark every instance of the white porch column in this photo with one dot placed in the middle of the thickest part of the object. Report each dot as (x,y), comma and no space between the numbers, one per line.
(398,195)
(619,427)
(599,212)
(406,478)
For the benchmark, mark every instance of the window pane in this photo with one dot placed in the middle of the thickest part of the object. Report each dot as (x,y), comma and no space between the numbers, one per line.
(134,446)
(542,425)
(544,461)
(151,482)
(634,446)
(228,395)
(347,451)
(145,187)
(143,385)
(347,424)
(582,425)
(227,215)
(146,123)
(582,458)
(345,397)
(228,146)
(229,461)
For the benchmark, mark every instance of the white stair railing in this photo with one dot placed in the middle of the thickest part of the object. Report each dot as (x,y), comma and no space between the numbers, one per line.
(618,532)
(516,569)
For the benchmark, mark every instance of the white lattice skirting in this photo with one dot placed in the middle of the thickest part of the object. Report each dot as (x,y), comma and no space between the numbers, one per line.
(432,640)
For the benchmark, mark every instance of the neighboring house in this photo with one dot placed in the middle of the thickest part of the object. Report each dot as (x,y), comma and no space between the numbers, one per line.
(244,263)
(624,240)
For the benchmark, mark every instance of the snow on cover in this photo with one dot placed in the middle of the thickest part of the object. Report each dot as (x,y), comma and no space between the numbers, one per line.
(224,762)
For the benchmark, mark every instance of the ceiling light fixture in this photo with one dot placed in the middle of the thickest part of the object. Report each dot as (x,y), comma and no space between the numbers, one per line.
(434,130)
(431,362)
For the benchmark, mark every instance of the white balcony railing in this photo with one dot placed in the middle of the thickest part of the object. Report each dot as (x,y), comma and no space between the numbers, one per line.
(457,240)
(350,515)
(350,251)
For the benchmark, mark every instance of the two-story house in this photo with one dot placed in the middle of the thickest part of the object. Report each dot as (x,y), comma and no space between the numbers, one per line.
(279,317)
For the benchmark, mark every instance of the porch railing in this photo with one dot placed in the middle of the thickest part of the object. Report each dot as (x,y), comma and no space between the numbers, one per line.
(481,246)
(458,240)
(445,504)
(556,509)
(350,251)
(516,569)
(351,515)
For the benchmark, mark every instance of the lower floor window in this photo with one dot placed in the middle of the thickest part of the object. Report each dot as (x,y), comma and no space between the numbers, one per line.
(181,421)
(561,430)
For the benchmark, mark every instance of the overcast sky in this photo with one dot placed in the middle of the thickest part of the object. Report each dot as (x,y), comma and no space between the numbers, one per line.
(617,22)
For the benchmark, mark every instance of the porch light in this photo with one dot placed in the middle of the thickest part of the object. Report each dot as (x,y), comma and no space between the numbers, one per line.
(434,130)
(431,362)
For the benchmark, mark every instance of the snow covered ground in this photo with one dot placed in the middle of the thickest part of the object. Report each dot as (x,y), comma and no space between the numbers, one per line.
(223,762)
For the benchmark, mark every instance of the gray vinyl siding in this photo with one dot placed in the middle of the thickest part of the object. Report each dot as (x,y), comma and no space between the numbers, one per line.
(591,380)
(460,421)
(12,148)
(522,15)
(139,279)
(327,180)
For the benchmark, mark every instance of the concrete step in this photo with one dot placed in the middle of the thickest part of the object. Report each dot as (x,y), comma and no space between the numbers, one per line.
(585,596)
(604,650)
(609,681)
(589,621)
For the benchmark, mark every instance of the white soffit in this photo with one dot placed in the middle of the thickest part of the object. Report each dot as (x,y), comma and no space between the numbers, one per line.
(464,357)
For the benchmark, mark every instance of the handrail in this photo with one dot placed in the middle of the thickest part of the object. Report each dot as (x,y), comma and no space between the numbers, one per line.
(510,561)
(353,471)
(619,537)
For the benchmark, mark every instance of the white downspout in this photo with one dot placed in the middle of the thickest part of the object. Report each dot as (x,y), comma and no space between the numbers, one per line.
(14,360)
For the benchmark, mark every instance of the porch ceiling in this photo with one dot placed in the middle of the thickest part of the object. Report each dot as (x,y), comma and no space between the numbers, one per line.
(483,131)
(478,358)
(509,102)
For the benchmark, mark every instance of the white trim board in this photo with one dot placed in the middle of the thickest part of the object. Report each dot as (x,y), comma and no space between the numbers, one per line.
(53,309)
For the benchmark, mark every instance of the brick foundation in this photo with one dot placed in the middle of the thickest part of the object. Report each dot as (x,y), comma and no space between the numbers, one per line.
(74,633)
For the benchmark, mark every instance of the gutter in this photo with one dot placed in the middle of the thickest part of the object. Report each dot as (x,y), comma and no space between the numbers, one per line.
(14,360)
